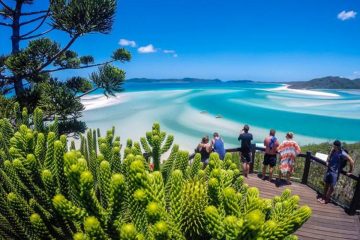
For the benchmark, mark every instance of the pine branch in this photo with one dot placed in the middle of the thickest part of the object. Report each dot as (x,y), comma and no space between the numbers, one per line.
(81,67)
(5,24)
(3,77)
(13,87)
(37,27)
(73,39)
(6,15)
(34,20)
(33,13)
(51,60)
(6,6)
(36,35)
(87,92)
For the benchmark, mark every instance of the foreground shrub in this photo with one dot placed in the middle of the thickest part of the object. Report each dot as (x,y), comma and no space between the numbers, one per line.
(50,191)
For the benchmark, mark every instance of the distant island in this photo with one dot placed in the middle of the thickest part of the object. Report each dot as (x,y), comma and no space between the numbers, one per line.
(329,82)
(183,80)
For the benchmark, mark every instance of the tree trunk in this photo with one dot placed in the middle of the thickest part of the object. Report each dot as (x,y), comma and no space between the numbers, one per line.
(15,41)
(86,93)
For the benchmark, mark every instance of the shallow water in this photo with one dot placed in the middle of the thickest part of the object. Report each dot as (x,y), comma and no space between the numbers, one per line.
(190,111)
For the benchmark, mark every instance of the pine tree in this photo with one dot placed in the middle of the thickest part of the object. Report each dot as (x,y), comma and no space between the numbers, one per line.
(29,70)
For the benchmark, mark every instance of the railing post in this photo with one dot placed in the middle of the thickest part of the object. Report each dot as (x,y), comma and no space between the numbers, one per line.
(253,150)
(305,176)
(355,202)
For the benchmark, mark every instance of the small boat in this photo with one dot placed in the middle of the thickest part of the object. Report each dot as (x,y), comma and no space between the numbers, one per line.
(203,111)
(218,116)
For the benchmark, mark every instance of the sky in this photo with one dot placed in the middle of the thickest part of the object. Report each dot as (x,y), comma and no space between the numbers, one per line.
(261,40)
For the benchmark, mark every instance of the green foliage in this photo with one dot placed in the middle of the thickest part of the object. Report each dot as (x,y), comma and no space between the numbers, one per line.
(78,84)
(156,143)
(108,78)
(7,106)
(81,17)
(121,55)
(50,192)
(40,57)
(56,99)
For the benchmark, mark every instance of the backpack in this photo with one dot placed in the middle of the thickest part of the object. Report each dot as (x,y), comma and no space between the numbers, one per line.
(272,142)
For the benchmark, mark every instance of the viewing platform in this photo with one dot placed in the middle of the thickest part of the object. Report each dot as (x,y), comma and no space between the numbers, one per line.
(331,221)
(328,221)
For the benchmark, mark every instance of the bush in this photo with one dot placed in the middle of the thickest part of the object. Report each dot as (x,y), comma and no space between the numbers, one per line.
(50,191)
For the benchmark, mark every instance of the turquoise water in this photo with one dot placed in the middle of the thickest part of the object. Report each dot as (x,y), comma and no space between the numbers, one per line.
(190,111)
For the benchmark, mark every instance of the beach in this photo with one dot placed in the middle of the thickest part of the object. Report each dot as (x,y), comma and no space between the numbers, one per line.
(191,113)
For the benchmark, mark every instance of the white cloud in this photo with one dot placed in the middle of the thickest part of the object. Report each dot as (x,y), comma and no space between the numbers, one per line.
(346,15)
(169,51)
(173,52)
(125,42)
(356,74)
(147,49)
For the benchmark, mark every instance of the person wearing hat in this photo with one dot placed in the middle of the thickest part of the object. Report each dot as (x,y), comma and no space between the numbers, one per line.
(245,137)
(288,151)
(335,163)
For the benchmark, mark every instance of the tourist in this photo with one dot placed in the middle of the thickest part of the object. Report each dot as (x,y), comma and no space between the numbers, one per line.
(218,145)
(271,144)
(288,150)
(245,137)
(335,163)
(204,148)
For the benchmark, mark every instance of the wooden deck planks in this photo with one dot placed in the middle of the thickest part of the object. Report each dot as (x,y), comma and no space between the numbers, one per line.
(327,222)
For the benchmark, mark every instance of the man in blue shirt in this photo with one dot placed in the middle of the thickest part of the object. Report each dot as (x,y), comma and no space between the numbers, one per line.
(245,137)
(335,163)
(218,145)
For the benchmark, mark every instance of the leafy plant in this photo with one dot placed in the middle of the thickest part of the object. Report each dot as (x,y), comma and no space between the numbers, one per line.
(153,144)
(50,192)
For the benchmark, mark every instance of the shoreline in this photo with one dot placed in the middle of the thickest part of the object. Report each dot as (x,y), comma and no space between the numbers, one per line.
(187,130)
(286,87)
(133,113)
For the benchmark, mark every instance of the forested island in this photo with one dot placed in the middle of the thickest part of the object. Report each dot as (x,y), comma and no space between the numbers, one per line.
(329,82)
(182,80)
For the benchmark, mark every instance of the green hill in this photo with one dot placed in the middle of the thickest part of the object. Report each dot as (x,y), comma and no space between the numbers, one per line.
(327,83)
(183,80)
(173,80)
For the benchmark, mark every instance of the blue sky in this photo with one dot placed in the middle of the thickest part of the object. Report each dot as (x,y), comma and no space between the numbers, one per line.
(263,40)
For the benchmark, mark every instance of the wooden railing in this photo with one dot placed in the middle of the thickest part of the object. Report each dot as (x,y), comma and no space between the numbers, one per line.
(308,157)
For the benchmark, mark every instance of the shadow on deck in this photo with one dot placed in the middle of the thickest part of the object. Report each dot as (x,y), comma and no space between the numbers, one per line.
(328,221)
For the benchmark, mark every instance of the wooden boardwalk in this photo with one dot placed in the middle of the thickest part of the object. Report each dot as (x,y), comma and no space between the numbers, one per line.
(328,221)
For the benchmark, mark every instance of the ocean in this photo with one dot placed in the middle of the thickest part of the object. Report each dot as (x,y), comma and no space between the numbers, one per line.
(190,111)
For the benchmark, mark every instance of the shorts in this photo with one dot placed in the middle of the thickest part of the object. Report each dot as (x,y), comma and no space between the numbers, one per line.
(331,178)
(205,163)
(246,157)
(269,159)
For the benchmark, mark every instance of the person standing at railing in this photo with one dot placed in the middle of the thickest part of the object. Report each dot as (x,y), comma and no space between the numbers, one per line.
(245,137)
(218,145)
(271,144)
(204,148)
(336,162)
(288,151)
